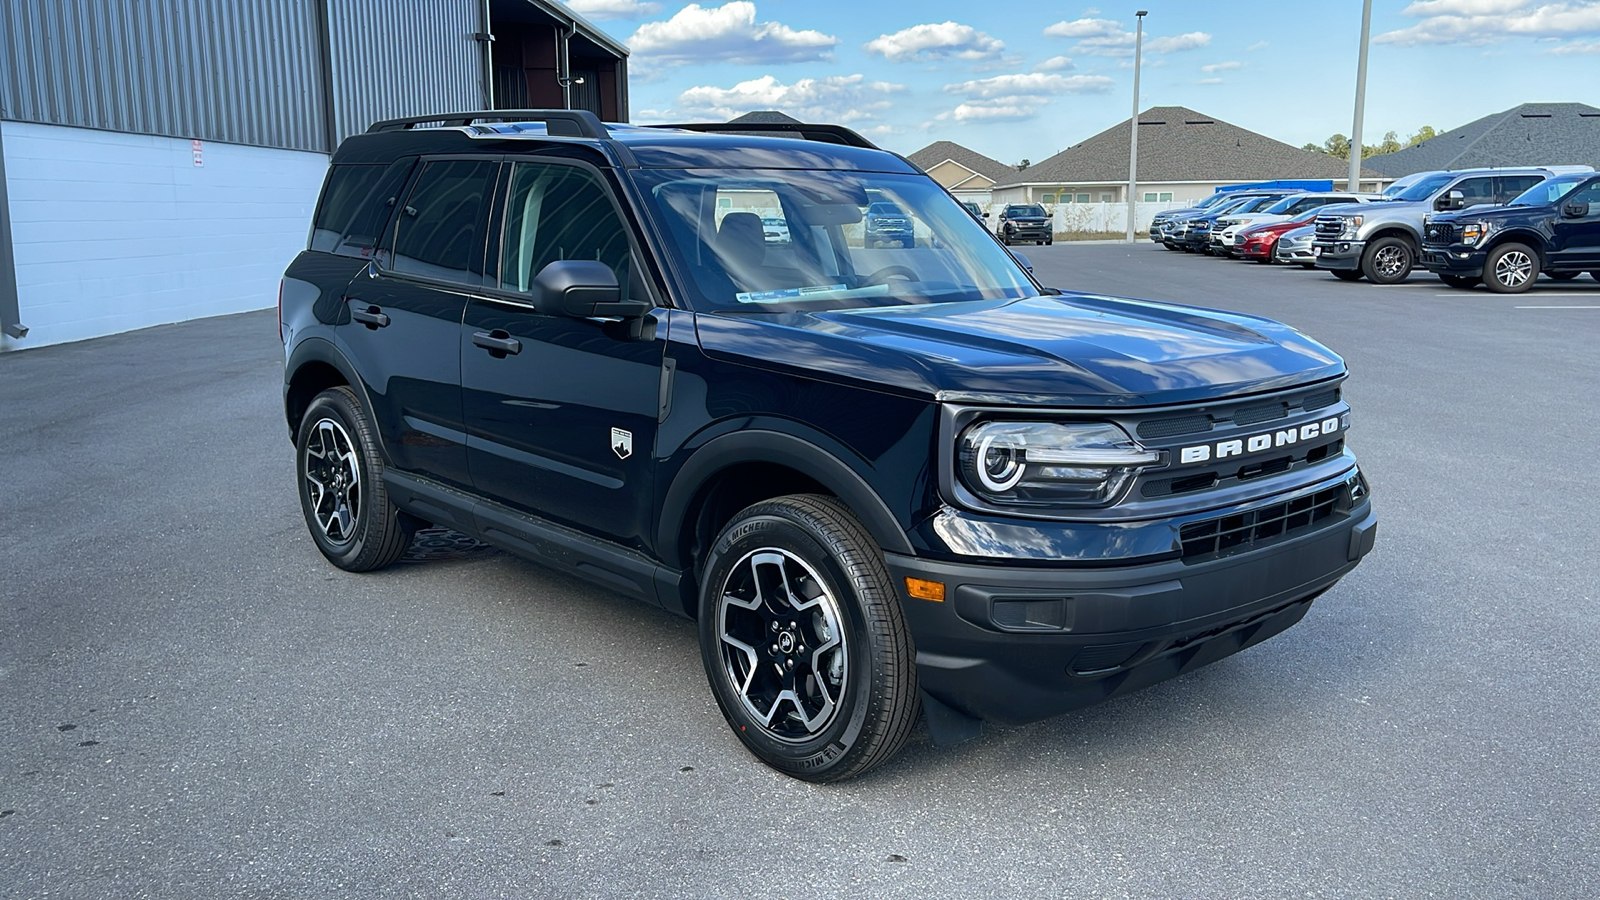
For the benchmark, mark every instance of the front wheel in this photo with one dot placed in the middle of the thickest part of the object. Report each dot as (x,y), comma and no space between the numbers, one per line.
(1460,281)
(342,494)
(1510,269)
(1388,260)
(804,641)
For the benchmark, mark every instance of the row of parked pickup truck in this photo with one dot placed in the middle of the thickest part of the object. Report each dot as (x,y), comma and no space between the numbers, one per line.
(1499,227)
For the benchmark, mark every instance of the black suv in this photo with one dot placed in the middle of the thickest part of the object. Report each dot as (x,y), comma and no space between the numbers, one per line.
(887,223)
(1553,227)
(879,479)
(1026,222)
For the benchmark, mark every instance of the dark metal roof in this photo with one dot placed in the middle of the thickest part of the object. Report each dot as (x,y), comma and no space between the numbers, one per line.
(1533,134)
(939,151)
(1179,144)
(767,117)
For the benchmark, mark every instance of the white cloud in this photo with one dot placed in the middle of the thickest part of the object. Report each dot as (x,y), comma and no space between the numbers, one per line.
(727,33)
(837,98)
(1194,40)
(1222,67)
(613,9)
(1576,47)
(1037,84)
(1105,37)
(936,41)
(1085,28)
(1011,98)
(1209,81)
(1478,22)
(1258,45)
(1056,64)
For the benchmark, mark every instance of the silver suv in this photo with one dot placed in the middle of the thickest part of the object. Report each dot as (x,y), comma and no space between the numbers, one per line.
(1380,241)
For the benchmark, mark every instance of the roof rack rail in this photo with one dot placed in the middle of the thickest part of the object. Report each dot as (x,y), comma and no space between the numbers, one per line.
(827,134)
(557,122)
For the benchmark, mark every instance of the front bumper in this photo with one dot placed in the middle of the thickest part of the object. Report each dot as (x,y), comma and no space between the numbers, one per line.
(1295,252)
(1017,643)
(1457,259)
(1338,254)
(1027,231)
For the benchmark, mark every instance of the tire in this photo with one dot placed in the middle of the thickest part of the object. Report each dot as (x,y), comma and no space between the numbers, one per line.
(1563,276)
(1388,260)
(1463,282)
(1346,274)
(1510,269)
(856,705)
(1049,242)
(342,494)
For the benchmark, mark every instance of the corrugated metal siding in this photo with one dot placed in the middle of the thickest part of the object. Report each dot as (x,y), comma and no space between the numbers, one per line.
(238,71)
(395,58)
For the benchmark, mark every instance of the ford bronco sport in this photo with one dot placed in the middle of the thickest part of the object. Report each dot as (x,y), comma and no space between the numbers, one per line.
(881,480)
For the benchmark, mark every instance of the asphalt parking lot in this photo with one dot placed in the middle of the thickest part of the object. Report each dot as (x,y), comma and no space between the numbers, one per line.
(194,704)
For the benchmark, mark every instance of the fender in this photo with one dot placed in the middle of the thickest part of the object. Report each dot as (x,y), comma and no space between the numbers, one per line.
(318,349)
(785,449)
(1522,234)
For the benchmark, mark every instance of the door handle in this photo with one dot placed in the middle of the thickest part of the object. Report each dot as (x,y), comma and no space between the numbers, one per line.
(369,316)
(498,342)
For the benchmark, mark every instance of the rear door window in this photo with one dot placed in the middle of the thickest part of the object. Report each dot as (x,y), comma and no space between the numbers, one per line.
(1477,191)
(440,230)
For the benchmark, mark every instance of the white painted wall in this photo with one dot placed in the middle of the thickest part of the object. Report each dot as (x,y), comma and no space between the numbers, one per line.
(114,231)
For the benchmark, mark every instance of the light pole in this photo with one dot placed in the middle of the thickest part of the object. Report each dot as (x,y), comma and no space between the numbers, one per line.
(1133,123)
(1361,99)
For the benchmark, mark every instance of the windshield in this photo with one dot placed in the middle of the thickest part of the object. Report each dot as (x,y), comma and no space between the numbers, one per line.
(1014,211)
(1213,200)
(1424,189)
(712,219)
(1254,204)
(1549,192)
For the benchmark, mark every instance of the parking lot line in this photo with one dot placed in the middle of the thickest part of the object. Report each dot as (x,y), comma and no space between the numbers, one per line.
(1488,296)
(1558,307)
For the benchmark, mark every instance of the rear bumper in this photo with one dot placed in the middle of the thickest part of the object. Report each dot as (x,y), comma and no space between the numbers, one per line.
(1013,644)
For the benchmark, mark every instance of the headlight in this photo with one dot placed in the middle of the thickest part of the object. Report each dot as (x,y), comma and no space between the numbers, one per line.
(1351,224)
(1048,463)
(1473,233)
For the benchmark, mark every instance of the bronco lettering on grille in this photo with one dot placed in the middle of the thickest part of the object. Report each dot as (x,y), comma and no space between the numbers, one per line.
(1259,442)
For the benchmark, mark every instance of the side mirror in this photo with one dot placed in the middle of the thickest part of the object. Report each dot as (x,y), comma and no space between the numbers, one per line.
(1452,200)
(986,215)
(1023,261)
(582,289)
(1577,209)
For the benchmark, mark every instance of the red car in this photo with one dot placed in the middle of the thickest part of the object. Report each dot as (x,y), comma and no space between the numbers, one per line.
(1261,240)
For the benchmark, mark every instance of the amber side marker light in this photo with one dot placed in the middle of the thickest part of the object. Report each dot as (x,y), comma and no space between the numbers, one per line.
(925,590)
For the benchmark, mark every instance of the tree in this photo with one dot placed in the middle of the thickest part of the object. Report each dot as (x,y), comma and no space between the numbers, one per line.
(1424,133)
(1338,145)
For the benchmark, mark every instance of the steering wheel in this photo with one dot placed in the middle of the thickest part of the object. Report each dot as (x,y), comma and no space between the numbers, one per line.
(883,275)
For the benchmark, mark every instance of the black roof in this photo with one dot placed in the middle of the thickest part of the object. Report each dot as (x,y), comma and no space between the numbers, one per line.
(1178,144)
(628,146)
(1533,134)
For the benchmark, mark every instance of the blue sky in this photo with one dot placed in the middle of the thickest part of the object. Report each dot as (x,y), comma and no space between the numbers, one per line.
(1024,80)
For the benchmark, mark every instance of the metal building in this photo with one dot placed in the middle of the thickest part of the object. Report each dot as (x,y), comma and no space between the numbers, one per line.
(159,159)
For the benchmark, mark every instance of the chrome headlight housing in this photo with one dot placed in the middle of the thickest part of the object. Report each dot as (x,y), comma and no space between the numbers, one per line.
(1352,224)
(1049,463)
(1475,233)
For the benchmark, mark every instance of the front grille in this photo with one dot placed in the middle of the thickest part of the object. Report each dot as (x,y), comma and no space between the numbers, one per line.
(1252,415)
(1160,428)
(1257,527)
(1320,399)
(1439,233)
(1330,226)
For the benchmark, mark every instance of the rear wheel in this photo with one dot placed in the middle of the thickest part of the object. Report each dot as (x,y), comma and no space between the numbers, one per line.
(342,494)
(1388,260)
(804,641)
(1461,281)
(1346,274)
(1510,269)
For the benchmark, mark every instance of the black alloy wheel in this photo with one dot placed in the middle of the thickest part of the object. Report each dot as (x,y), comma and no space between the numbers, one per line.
(1510,269)
(804,641)
(342,494)
(1388,260)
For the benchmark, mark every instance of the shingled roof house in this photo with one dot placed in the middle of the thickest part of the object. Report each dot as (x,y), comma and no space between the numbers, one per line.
(967,174)
(1533,134)
(1184,156)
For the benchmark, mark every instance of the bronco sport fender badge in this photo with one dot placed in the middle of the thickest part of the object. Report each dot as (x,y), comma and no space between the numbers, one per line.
(621,443)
